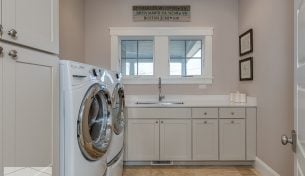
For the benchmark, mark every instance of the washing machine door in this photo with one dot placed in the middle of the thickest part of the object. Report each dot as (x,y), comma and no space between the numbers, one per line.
(118,110)
(94,123)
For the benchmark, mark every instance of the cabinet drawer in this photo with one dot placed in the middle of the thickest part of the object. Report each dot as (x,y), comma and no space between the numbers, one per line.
(159,113)
(209,113)
(232,113)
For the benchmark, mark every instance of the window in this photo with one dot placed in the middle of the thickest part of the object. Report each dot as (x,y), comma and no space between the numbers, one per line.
(186,57)
(137,57)
(178,55)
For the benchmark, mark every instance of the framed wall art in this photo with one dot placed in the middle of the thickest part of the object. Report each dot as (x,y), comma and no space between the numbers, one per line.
(246,43)
(246,69)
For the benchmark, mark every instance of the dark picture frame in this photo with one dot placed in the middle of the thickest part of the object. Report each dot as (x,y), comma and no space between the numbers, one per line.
(246,69)
(246,43)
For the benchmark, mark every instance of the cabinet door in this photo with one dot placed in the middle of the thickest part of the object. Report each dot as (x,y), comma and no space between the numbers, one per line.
(205,139)
(35,21)
(1,110)
(175,140)
(1,27)
(30,95)
(232,139)
(142,140)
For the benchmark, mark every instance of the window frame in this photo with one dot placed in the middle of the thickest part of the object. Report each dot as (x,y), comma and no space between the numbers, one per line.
(162,36)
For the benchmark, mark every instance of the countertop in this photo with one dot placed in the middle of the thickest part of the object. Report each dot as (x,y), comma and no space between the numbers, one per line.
(188,101)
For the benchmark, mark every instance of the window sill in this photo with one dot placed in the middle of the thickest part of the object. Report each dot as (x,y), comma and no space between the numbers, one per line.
(167,80)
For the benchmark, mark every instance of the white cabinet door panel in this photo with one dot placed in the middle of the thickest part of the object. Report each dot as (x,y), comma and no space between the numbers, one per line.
(205,139)
(175,140)
(143,140)
(31,123)
(1,111)
(251,134)
(232,139)
(36,23)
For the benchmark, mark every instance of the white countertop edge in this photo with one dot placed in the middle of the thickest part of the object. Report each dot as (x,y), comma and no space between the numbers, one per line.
(189,101)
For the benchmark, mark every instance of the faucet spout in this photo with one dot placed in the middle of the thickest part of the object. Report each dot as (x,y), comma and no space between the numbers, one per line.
(161,97)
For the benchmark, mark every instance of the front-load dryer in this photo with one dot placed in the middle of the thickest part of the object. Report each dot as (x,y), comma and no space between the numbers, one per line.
(116,149)
(86,124)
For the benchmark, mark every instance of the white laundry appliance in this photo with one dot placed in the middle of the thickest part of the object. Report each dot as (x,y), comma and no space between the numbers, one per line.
(86,124)
(115,154)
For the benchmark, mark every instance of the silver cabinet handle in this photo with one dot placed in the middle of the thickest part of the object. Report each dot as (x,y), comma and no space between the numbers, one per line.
(157,122)
(1,30)
(12,33)
(205,122)
(232,122)
(162,122)
(205,113)
(1,50)
(13,53)
(232,113)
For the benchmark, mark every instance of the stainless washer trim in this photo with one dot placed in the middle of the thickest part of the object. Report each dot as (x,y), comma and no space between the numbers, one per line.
(118,125)
(94,149)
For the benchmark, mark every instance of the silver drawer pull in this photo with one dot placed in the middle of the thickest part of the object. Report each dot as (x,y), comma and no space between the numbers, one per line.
(205,113)
(12,33)
(1,50)
(205,122)
(157,122)
(232,122)
(232,113)
(13,54)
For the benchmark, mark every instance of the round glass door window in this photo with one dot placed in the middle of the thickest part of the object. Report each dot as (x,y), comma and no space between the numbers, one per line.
(94,123)
(118,110)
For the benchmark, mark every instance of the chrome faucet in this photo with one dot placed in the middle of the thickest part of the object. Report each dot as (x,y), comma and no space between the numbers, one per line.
(161,97)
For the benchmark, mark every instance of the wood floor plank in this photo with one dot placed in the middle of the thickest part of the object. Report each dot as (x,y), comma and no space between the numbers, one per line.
(189,171)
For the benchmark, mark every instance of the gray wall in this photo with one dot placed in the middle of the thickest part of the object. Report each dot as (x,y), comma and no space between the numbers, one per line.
(71,31)
(272,22)
(220,14)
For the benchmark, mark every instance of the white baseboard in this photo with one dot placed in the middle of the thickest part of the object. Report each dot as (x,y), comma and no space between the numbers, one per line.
(263,169)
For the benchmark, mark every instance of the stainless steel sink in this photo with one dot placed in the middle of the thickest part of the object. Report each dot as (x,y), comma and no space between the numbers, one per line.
(159,102)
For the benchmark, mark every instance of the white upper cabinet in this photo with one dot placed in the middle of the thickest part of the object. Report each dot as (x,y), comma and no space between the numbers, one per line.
(32,23)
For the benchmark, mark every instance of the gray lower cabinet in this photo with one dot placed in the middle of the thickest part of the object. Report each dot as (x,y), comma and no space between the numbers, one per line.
(232,139)
(175,140)
(143,140)
(204,134)
(205,139)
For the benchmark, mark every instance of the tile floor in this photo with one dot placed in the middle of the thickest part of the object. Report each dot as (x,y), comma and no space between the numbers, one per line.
(27,171)
(189,171)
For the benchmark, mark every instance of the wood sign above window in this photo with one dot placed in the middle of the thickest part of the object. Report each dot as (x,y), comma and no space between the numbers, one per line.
(162,13)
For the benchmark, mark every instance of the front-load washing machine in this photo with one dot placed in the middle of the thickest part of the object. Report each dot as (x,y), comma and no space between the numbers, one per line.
(86,124)
(116,150)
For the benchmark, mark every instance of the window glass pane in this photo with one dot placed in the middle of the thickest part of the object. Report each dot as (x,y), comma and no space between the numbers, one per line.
(145,49)
(177,49)
(186,57)
(193,48)
(193,67)
(145,67)
(129,49)
(137,57)
(129,66)
(177,67)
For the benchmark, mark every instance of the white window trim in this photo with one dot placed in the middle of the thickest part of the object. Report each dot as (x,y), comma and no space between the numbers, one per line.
(162,34)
